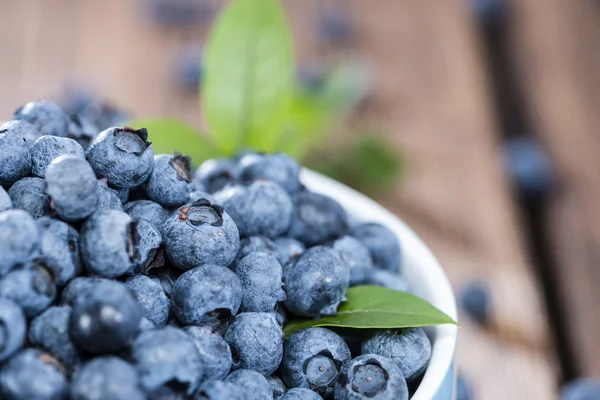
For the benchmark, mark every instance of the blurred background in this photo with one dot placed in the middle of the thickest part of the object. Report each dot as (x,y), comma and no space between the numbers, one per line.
(476,121)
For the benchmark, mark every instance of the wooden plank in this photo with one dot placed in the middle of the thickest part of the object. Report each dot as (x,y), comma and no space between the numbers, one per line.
(557,56)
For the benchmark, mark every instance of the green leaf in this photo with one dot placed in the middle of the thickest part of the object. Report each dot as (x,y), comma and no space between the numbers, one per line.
(169,135)
(375,307)
(249,71)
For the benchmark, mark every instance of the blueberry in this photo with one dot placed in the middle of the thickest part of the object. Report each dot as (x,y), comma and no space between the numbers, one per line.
(78,288)
(317,219)
(82,129)
(214,174)
(382,243)
(215,354)
(105,319)
(13,327)
(316,282)
(5,201)
(170,182)
(123,156)
(15,159)
(256,342)
(287,249)
(189,68)
(59,249)
(19,239)
(371,376)
(200,194)
(108,198)
(31,288)
(260,276)
(179,13)
(475,300)
(255,244)
(22,129)
(47,148)
(33,374)
(279,168)
(254,385)
(358,258)
(167,362)
(580,389)
(150,295)
(148,210)
(72,187)
(409,349)
(106,377)
(335,27)
(147,241)
(463,390)
(390,280)
(312,359)
(206,294)
(29,194)
(50,332)
(277,385)
(263,208)
(300,394)
(47,116)
(219,390)
(200,233)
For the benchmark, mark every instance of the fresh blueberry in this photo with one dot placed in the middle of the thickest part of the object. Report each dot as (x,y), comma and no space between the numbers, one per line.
(287,249)
(47,116)
(260,276)
(77,288)
(31,288)
(5,201)
(335,26)
(59,249)
(148,210)
(279,168)
(108,198)
(22,129)
(409,349)
(189,68)
(13,327)
(256,342)
(201,233)
(106,377)
(358,258)
(262,208)
(475,300)
(82,129)
(255,244)
(50,332)
(105,319)
(150,295)
(463,390)
(33,374)
(123,156)
(19,239)
(29,194)
(312,359)
(300,394)
(316,282)
(382,243)
(15,159)
(254,385)
(215,353)
(219,390)
(390,280)
(47,148)
(214,174)
(147,241)
(580,389)
(205,295)
(317,219)
(170,182)
(371,376)
(72,187)
(200,194)
(277,385)
(167,362)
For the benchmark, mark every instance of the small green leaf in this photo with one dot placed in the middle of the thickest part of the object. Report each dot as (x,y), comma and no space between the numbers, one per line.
(248,81)
(169,135)
(375,307)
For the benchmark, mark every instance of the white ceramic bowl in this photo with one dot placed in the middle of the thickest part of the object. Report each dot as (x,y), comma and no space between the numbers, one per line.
(421,270)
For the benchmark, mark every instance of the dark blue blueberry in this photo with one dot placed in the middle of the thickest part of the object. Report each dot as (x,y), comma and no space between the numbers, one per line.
(83,130)
(200,233)
(263,208)
(59,250)
(5,201)
(123,156)
(317,219)
(255,244)
(219,390)
(287,249)
(149,293)
(277,385)
(108,198)
(148,210)
(189,68)
(146,241)
(358,258)
(205,294)
(31,288)
(19,239)
(260,276)
(29,194)
(475,300)
(77,288)
(279,168)
(170,182)
(335,26)
(529,166)
(409,349)
(48,148)
(105,319)
(15,159)
(316,282)
(254,385)
(47,116)
(13,328)
(580,389)
(312,359)
(200,194)
(22,129)
(215,353)
(300,394)
(390,280)
(167,362)
(50,332)
(72,187)
(214,174)
(107,377)
(256,342)
(382,243)
(179,13)
(371,376)
(463,390)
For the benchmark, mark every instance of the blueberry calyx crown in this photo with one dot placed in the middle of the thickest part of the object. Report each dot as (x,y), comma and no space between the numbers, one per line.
(142,134)
(182,165)
(184,213)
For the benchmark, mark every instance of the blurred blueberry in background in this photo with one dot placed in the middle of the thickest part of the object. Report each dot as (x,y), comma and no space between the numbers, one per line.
(475,300)
(529,166)
(335,25)
(174,13)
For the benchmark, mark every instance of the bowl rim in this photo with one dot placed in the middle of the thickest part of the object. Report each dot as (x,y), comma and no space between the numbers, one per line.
(420,267)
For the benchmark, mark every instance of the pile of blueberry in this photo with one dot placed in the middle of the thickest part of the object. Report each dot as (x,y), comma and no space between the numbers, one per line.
(125,275)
